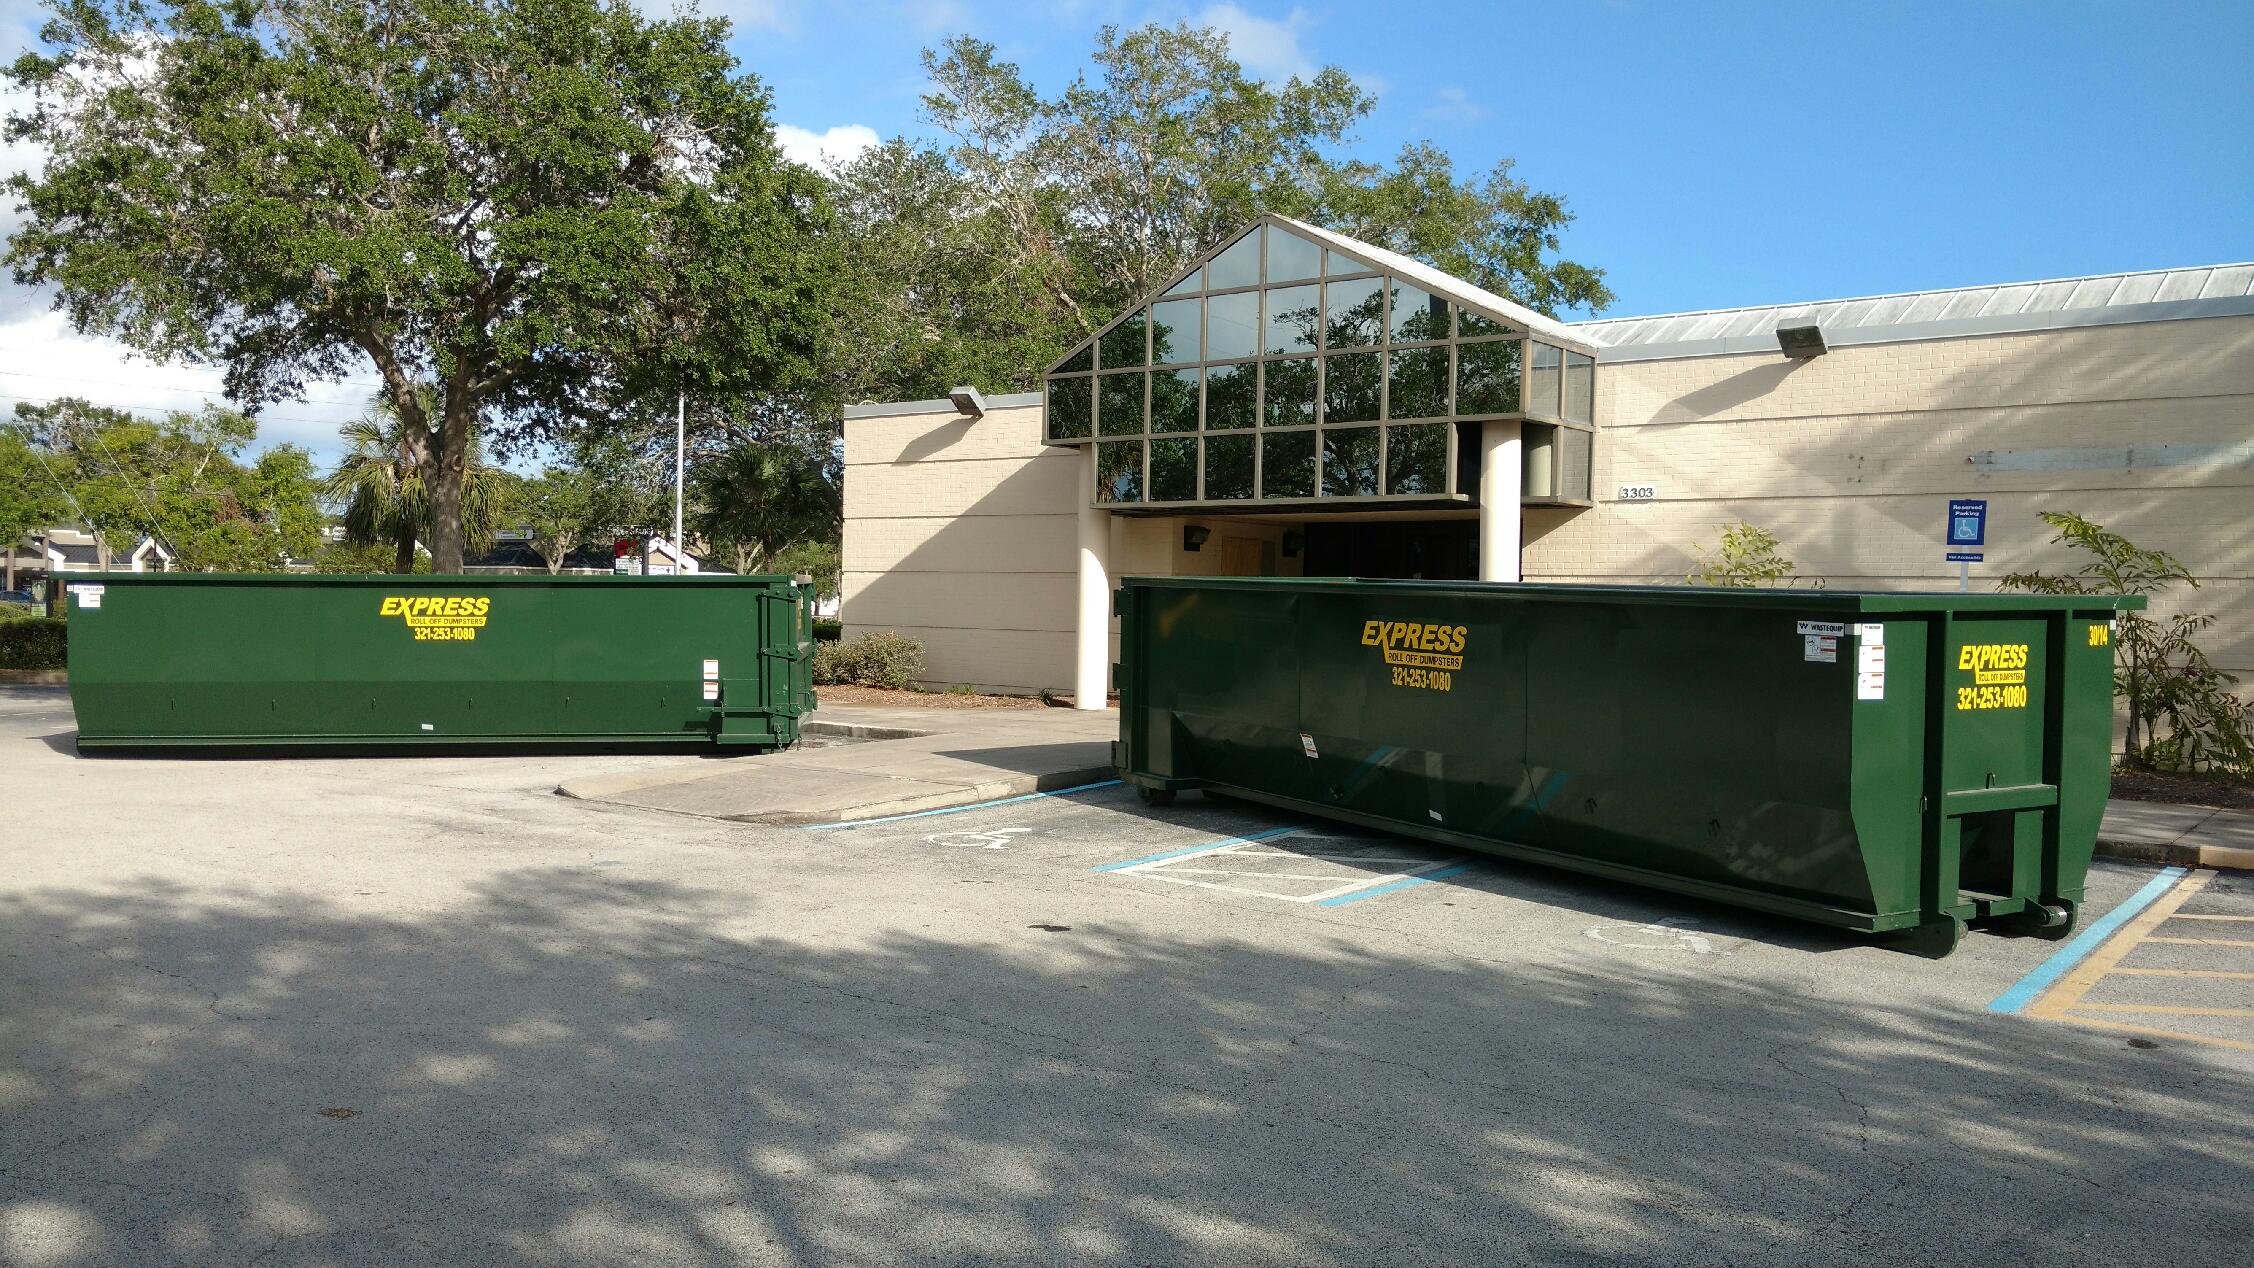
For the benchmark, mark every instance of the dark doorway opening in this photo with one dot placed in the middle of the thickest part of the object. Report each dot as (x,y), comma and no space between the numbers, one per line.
(1441,550)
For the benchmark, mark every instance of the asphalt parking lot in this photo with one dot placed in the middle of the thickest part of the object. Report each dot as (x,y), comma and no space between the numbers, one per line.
(422,1010)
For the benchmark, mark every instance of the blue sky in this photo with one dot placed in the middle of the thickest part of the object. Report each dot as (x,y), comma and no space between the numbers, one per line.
(1717,154)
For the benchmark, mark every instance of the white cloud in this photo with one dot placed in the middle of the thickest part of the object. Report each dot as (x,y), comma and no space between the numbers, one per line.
(931,16)
(1454,105)
(1268,47)
(825,150)
(748,15)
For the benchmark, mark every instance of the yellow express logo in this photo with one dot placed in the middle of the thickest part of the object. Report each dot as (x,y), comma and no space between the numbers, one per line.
(1999,676)
(1421,656)
(434,619)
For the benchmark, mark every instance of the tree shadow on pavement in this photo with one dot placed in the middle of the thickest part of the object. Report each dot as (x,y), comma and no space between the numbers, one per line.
(578,1067)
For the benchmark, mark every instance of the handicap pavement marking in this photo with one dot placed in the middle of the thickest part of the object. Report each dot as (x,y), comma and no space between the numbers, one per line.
(1252,866)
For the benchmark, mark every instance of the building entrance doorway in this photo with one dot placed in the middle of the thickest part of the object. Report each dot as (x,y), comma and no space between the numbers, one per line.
(1433,550)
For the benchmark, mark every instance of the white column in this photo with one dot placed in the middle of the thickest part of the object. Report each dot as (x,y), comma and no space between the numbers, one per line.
(1499,483)
(1091,657)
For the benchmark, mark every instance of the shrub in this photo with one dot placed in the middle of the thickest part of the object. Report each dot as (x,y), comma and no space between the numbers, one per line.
(2182,713)
(828,631)
(36,643)
(880,659)
(1748,556)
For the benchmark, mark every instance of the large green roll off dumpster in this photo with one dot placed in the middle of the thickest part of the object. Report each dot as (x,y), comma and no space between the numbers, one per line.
(1874,761)
(164,660)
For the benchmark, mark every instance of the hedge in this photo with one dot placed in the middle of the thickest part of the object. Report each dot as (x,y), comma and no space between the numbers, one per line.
(36,643)
(881,659)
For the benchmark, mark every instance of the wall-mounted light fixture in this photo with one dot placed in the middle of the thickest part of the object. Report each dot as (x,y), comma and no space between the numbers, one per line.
(1194,536)
(1293,540)
(1801,342)
(968,401)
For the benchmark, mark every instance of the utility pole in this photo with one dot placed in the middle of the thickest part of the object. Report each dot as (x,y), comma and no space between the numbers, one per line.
(680,442)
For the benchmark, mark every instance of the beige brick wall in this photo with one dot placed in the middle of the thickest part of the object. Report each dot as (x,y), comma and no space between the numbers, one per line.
(1850,458)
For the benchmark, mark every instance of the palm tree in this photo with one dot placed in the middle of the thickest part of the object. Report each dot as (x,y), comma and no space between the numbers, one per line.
(381,487)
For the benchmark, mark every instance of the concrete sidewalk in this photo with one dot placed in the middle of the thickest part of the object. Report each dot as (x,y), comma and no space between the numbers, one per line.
(2190,836)
(918,759)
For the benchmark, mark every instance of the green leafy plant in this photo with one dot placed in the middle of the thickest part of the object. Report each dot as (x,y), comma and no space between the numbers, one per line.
(1747,556)
(2182,715)
(828,631)
(37,643)
(879,659)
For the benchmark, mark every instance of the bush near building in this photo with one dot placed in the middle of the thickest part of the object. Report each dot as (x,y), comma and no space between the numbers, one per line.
(881,659)
(33,643)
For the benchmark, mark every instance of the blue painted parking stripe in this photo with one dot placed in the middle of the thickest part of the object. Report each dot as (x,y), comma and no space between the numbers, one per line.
(1389,887)
(1269,835)
(2027,988)
(956,810)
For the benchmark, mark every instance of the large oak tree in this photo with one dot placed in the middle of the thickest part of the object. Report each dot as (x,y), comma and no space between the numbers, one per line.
(549,211)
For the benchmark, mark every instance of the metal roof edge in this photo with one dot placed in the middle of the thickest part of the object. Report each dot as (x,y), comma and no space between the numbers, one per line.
(1500,307)
(1952,328)
(899,409)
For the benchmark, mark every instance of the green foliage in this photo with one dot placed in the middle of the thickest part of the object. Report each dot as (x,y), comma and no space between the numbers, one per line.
(384,499)
(1748,556)
(878,659)
(2182,715)
(36,643)
(550,210)
(828,631)
(982,260)
(345,558)
(819,560)
(754,499)
(30,491)
(175,478)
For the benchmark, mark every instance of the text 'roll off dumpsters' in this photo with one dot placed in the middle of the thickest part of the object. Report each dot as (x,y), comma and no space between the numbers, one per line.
(1874,761)
(181,660)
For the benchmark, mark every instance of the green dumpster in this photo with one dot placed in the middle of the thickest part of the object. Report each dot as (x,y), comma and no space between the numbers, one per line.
(165,660)
(1879,762)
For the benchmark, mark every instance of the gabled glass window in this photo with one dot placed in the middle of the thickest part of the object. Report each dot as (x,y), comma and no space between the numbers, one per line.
(1282,370)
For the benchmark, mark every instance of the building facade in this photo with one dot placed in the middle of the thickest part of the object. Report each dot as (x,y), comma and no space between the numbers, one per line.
(1302,404)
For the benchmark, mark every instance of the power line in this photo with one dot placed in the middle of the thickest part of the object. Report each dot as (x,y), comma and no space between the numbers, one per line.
(56,480)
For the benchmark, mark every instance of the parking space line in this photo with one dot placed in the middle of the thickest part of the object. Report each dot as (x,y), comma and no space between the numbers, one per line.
(1208,847)
(2035,983)
(2205,942)
(956,810)
(2190,915)
(2064,1001)
(2188,1010)
(2213,973)
(1419,877)
(2077,983)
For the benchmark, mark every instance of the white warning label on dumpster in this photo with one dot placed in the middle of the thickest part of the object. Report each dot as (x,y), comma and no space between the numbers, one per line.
(89,596)
(712,671)
(1872,634)
(1832,628)
(1870,670)
(1820,647)
(1307,743)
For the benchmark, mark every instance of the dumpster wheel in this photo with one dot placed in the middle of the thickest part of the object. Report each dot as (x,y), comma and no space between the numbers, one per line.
(1934,939)
(1157,796)
(2051,920)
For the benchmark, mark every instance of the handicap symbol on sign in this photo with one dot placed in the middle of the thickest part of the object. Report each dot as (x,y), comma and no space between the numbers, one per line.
(1669,933)
(995,839)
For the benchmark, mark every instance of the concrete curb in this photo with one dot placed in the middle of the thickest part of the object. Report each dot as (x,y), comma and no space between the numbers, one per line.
(2177,854)
(36,677)
(967,795)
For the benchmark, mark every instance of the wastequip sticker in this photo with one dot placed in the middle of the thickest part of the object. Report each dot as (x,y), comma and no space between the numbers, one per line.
(1422,656)
(1819,640)
(454,618)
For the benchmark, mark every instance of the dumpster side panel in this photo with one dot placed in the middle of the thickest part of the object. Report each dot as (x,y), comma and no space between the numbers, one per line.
(235,660)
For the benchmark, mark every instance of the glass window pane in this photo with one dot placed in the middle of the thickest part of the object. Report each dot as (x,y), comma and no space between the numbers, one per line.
(1538,460)
(1416,458)
(1338,265)
(1287,464)
(1119,471)
(1580,388)
(1232,326)
(1122,345)
(1352,313)
(1120,412)
(1173,400)
(1228,467)
(1189,285)
(1173,332)
(1291,257)
(1419,386)
(1070,412)
(1292,314)
(1173,470)
(1487,377)
(1237,266)
(1471,323)
(1541,381)
(1288,392)
(1350,387)
(1417,316)
(1573,464)
(1349,462)
(1229,397)
(1085,359)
